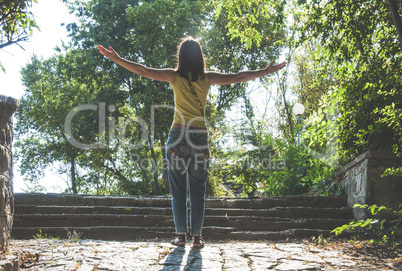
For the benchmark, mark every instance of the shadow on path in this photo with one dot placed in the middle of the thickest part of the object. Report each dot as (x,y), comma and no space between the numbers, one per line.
(194,260)
(176,259)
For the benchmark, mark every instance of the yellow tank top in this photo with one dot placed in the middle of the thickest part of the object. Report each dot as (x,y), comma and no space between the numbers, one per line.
(186,109)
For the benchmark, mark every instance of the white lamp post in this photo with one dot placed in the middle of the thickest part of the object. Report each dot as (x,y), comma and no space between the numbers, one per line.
(298,110)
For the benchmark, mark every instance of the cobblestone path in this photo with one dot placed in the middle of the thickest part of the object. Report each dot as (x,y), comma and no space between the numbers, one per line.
(49,254)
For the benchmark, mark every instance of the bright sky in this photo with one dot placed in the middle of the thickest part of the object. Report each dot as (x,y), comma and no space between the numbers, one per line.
(49,15)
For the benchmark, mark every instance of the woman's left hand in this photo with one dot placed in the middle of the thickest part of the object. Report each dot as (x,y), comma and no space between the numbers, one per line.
(274,68)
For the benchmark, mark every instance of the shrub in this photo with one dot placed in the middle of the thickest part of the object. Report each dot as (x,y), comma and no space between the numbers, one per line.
(384,225)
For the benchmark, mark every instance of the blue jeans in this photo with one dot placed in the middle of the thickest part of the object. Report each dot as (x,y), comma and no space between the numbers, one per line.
(188,159)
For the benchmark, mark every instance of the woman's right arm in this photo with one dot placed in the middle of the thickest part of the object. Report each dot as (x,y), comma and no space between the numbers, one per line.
(165,75)
(216,78)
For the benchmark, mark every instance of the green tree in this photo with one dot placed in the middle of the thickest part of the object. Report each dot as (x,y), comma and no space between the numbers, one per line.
(314,75)
(362,38)
(169,21)
(51,92)
(146,32)
(100,81)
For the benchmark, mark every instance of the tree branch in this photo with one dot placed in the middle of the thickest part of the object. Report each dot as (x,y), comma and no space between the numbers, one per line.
(10,42)
(396,18)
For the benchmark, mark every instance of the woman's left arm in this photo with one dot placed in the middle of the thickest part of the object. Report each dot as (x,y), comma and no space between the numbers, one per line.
(216,78)
(165,75)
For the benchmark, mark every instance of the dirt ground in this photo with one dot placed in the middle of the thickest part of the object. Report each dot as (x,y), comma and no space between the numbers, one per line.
(370,256)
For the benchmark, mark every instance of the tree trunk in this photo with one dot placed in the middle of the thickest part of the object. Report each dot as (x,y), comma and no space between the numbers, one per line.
(116,172)
(164,168)
(72,173)
(155,164)
(396,18)
(282,86)
(288,113)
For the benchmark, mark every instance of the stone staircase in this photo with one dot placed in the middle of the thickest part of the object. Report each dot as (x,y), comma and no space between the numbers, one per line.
(138,218)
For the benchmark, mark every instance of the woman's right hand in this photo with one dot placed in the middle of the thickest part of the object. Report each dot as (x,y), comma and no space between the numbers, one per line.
(111,53)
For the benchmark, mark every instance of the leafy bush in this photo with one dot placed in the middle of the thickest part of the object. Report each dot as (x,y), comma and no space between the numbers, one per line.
(215,186)
(383,226)
(302,174)
(279,169)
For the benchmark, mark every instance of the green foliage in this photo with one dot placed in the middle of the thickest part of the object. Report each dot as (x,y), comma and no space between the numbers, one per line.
(302,173)
(215,186)
(53,88)
(274,167)
(384,225)
(16,22)
(287,170)
(391,116)
(368,103)
(361,37)
(347,75)
(314,76)
(231,55)
(353,29)
(321,131)
(79,75)
(143,31)
(246,19)
(146,32)
(40,235)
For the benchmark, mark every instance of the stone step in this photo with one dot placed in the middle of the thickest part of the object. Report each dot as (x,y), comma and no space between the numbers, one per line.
(126,233)
(237,222)
(276,235)
(165,201)
(290,212)
(133,218)
(89,200)
(117,233)
(271,202)
(94,210)
(89,220)
(244,223)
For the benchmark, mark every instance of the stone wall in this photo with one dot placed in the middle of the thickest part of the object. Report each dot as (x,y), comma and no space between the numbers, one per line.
(364,184)
(8,106)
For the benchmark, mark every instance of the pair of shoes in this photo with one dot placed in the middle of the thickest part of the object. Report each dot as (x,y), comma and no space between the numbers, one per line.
(198,242)
(180,240)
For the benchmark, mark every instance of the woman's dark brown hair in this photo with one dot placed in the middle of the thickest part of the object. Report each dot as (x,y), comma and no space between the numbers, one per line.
(190,59)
